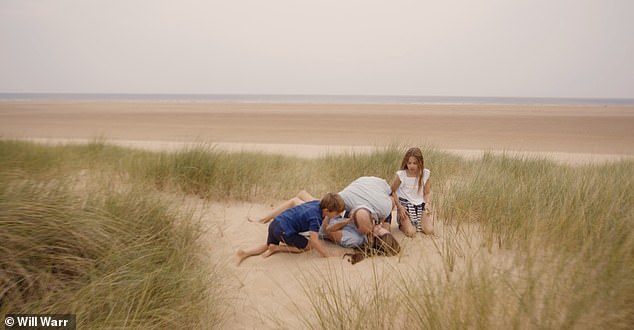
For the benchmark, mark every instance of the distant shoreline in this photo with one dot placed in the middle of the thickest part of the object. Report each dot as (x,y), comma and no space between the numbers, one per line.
(306,128)
(310,99)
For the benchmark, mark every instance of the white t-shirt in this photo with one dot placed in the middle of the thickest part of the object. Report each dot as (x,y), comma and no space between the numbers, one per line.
(370,192)
(409,187)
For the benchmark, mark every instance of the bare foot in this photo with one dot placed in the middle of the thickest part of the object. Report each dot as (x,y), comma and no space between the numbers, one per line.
(268,252)
(240,255)
(257,220)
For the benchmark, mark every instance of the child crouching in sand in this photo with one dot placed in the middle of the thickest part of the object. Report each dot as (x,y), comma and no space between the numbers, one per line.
(411,191)
(287,226)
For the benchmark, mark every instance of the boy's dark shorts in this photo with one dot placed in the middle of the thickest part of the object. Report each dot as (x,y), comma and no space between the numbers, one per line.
(277,235)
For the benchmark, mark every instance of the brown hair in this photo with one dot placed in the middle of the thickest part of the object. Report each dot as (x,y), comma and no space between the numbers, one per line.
(385,245)
(418,154)
(332,202)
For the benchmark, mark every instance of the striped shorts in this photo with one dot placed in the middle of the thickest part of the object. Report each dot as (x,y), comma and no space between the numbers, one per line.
(415,212)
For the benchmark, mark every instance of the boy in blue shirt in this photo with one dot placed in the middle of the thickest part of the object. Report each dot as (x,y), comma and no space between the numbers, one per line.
(287,226)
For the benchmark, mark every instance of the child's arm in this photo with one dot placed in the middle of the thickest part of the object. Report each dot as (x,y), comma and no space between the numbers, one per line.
(333,231)
(395,184)
(427,192)
(315,243)
(324,224)
(337,226)
(400,210)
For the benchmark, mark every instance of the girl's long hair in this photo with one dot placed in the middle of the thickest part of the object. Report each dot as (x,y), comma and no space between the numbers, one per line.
(384,245)
(418,154)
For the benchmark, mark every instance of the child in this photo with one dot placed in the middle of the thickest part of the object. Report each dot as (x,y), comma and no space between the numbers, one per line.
(383,243)
(287,226)
(343,232)
(346,232)
(378,242)
(411,190)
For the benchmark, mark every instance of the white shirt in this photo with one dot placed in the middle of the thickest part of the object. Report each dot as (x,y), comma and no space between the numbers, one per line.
(370,192)
(409,187)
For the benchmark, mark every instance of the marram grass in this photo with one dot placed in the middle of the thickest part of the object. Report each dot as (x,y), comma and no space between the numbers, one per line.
(555,243)
(117,259)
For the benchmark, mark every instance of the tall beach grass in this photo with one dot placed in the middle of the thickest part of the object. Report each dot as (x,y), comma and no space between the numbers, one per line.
(118,257)
(525,243)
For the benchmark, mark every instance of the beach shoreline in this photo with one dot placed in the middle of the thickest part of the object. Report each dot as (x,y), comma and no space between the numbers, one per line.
(310,130)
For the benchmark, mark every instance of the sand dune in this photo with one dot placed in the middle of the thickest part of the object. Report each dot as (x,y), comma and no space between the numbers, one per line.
(269,290)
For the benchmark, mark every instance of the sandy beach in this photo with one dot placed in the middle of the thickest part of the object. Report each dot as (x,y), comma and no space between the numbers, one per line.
(307,129)
(269,290)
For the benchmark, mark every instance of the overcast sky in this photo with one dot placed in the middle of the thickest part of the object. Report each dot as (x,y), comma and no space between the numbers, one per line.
(523,48)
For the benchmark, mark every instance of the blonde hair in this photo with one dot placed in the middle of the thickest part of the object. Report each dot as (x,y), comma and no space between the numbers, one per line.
(418,154)
(332,202)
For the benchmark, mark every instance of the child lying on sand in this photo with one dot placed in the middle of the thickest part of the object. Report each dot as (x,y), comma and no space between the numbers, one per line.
(382,244)
(343,231)
(287,226)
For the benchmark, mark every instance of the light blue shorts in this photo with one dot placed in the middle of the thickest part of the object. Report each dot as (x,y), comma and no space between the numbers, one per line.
(350,236)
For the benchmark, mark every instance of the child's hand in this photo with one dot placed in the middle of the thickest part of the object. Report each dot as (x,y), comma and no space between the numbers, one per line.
(379,231)
(402,214)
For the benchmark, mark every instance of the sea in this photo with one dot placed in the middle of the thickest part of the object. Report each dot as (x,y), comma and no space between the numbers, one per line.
(313,99)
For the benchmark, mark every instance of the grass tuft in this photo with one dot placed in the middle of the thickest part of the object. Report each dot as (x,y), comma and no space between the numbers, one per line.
(525,242)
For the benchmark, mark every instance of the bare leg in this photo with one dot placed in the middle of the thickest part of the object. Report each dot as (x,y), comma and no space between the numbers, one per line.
(407,228)
(272,249)
(243,254)
(302,197)
(427,223)
(278,210)
(363,220)
(305,196)
(405,224)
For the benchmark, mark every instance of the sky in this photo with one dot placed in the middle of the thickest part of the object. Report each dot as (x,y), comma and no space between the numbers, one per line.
(490,48)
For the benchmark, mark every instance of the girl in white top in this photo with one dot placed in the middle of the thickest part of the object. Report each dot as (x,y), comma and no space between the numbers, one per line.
(411,191)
